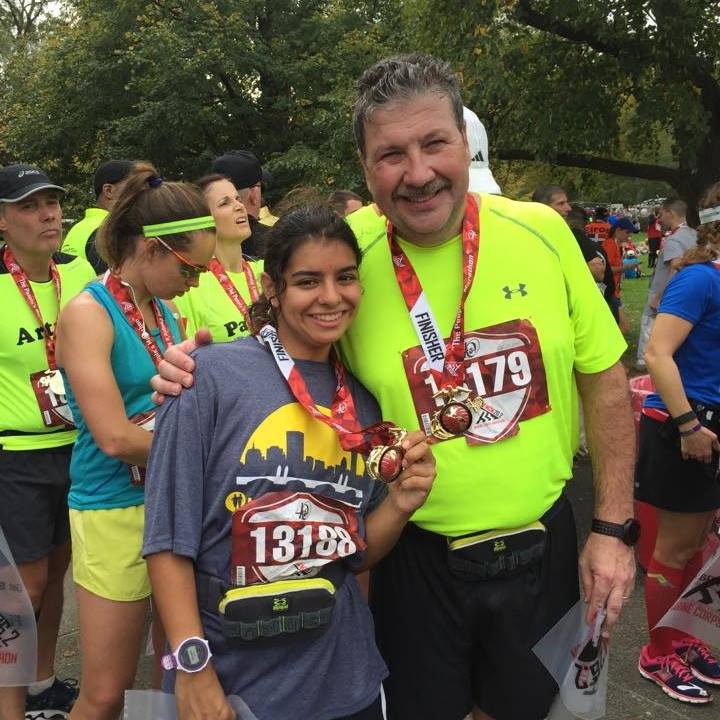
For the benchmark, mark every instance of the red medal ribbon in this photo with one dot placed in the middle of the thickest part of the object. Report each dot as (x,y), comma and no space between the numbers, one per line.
(23,285)
(123,296)
(229,287)
(343,415)
(446,363)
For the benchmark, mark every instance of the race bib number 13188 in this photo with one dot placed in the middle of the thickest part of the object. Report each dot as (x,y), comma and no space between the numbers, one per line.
(504,368)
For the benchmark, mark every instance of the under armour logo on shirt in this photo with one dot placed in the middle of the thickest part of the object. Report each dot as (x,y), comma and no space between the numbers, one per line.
(519,289)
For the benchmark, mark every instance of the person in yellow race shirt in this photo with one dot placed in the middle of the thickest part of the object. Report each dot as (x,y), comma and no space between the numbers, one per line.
(489,564)
(80,239)
(36,426)
(221,300)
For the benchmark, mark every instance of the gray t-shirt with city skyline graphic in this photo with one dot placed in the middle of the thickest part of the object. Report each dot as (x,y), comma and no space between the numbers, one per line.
(237,454)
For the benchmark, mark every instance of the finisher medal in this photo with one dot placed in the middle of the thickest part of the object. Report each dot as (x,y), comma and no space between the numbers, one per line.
(457,415)
(445,363)
(381,443)
(384,462)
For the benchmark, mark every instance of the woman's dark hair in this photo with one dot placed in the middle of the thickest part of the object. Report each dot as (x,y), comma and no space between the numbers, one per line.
(146,199)
(207,180)
(290,232)
(708,234)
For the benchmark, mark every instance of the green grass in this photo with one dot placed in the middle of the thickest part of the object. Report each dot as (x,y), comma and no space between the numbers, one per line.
(634,297)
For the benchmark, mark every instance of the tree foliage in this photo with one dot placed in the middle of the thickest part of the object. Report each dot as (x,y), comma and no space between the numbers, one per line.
(180,82)
(606,85)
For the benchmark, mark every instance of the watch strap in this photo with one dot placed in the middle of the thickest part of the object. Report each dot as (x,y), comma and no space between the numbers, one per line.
(603,527)
(684,418)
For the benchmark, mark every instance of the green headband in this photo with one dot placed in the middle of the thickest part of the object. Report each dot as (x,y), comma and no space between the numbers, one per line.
(179,226)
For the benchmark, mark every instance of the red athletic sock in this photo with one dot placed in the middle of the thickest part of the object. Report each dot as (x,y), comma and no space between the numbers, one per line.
(692,568)
(663,586)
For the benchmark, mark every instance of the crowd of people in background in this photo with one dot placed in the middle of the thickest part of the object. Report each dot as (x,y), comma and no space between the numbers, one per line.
(337,394)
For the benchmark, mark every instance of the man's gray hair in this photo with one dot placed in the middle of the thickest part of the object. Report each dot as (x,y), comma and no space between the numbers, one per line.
(544,194)
(402,78)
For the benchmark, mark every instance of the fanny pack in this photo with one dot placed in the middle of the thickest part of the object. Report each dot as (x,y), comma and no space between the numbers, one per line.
(497,553)
(272,611)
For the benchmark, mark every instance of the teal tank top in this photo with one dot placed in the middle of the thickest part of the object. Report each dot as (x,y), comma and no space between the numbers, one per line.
(97,481)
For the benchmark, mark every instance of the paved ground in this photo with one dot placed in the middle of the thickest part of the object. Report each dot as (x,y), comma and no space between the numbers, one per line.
(630,697)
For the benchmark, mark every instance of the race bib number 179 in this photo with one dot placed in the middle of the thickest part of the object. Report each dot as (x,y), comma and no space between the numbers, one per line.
(504,368)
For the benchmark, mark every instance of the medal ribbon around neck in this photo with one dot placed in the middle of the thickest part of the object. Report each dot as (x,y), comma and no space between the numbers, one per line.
(229,286)
(122,293)
(343,416)
(22,281)
(445,363)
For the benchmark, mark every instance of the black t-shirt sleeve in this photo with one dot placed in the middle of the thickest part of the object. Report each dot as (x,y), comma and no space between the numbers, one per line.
(587,246)
(91,253)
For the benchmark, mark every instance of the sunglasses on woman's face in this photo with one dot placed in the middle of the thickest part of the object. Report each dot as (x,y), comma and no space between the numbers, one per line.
(189,270)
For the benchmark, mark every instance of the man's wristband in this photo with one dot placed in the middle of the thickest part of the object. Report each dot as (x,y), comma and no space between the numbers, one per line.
(684,418)
(691,431)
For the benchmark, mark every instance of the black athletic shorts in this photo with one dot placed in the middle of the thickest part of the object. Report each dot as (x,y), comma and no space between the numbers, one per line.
(666,481)
(34,510)
(372,712)
(451,643)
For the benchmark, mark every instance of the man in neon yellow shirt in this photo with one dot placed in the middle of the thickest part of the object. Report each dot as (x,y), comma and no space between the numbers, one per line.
(36,430)
(80,239)
(488,565)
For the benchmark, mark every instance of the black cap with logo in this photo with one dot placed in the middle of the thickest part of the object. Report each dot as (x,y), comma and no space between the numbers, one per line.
(19,181)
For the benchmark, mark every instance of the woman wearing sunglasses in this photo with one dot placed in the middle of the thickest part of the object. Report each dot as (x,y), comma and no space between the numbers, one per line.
(261,506)
(220,302)
(156,241)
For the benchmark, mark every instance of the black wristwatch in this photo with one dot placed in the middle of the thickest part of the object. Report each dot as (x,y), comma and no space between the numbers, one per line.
(628,532)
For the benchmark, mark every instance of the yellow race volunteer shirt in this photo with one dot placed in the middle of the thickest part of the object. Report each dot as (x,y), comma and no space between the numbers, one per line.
(22,352)
(531,281)
(208,305)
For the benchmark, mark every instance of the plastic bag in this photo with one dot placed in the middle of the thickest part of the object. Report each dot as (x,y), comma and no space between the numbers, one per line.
(18,631)
(697,610)
(576,655)
(146,704)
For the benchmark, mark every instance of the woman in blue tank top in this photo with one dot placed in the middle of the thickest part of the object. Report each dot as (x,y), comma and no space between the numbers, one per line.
(156,241)
(677,469)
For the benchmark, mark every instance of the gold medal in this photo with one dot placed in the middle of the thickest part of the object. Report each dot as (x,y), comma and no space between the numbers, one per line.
(384,462)
(456,416)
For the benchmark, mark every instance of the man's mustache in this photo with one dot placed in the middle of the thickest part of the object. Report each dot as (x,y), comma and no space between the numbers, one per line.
(408,192)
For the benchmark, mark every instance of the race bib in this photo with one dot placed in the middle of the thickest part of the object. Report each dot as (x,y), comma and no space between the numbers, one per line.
(286,535)
(504,368)
(146,421)
(49,390)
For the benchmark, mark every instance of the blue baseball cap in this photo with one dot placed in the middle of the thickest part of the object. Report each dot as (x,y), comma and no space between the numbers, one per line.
(624,223)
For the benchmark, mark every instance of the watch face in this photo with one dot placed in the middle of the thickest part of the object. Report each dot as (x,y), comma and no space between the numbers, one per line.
(632,532)
(192,655)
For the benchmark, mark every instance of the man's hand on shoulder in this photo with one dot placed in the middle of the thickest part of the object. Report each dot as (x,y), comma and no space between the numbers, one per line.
(176,368)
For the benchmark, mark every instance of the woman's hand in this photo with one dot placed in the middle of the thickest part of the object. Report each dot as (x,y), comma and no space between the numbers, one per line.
(411,488)
(698,445)
(199,696)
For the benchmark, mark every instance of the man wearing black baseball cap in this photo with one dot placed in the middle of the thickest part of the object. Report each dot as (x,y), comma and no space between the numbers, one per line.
(80,239)
(36,429)
(245,172)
